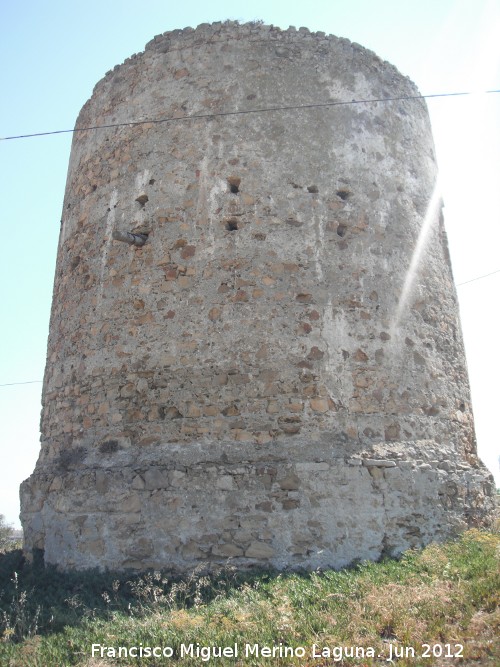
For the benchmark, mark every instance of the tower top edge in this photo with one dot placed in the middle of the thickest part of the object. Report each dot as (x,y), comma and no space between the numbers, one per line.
(222,30)
(253,31)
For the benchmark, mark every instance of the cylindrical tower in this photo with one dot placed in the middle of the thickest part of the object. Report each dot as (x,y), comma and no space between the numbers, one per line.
(270,367)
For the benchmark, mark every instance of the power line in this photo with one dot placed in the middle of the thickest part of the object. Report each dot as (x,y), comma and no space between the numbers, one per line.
(478,278)
(243,112)
(11,384)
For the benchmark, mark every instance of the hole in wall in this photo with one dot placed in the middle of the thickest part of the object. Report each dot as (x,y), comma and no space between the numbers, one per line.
(74,262)
(232,225)
(313,189)
(341,230)
(109,447)
(344,194)
(140,238)
(136,238)
(234,184)
(152,181)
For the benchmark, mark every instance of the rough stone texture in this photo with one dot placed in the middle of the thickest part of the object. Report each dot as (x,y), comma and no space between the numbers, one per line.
(258,381)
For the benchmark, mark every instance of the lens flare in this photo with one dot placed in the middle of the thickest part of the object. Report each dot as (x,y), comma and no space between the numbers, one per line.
(431,219)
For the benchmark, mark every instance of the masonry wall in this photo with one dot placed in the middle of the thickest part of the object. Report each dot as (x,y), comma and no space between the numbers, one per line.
(272,377)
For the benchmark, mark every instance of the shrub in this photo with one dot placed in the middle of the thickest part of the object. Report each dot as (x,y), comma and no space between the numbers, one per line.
(6,533)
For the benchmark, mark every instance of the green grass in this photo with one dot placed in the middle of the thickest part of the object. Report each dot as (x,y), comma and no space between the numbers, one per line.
(443,595)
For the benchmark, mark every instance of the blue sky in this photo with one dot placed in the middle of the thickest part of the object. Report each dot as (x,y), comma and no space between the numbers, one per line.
(54,52)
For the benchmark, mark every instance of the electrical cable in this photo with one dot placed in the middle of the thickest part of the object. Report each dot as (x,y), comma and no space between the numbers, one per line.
(11,384)
(243,112)
(472,280)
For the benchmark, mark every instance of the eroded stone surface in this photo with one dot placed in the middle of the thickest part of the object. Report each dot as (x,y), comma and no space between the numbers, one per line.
(259,380)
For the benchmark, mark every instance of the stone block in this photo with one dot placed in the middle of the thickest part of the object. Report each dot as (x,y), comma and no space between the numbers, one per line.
(227,550)
(225,483)
(155,478)
(131,503)
(379,463)
(319,404)
(289,483)
(259,550)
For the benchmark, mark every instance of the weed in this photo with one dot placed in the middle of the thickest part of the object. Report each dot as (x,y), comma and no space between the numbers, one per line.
(18,620)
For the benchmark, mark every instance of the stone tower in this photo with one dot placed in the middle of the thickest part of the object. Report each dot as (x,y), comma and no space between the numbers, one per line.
(270,368)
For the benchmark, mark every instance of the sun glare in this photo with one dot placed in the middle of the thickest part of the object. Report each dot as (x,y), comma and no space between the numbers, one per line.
(430,220)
